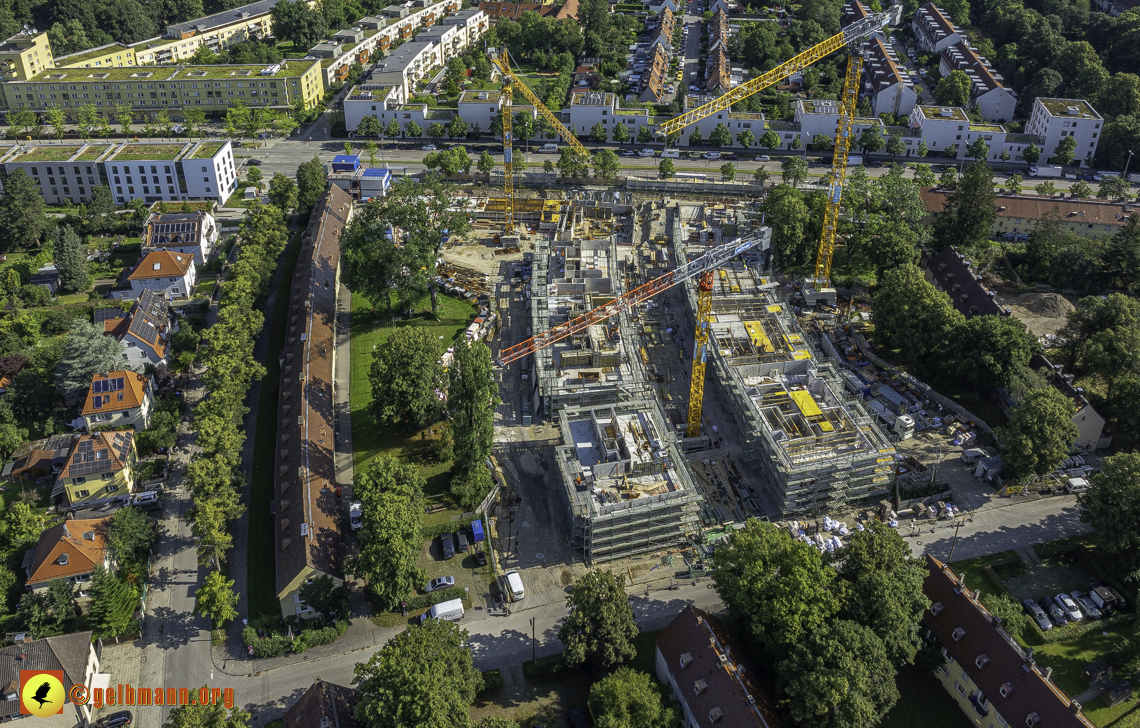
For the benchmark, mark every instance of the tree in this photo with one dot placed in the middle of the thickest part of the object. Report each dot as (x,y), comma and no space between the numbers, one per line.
(472,394)
(794,171)
(895,144)
(24,119)
(392,130)
(486,163)
(1113,188)
(911,315)
(71,260)
(1110,505)
(721,136)
(871,139)
(600,628)
(573,163)
(1031,154)
(760,176)
(282,193)
(297,22)
(971,210)
(594,19)
(984,351)
(1012,615)
(953,90)
(606,164)
(694,137)
(22,218)
(770,140)
(436,131)
(87,353)
(1063,153)
(745,138)
(777,587)
(22,526)
(323,595)
(644,136)
(839,677)
(627,698)
(788,215)
(101,209)
(194,119)
(922,149)
(1046,189)
(253,176)
(883,589)
(822,143)
(1039,435)
(57,121)
(405,373)
(890,244)
(198,715)
(621,133)
(598,133)
(1013,186)
(391,495)
(978,149)
(423,678)
(948,178)
(113,604)
(311,182)
(728,171)
(51,612)
(413,130)
(130,535)
(666,170)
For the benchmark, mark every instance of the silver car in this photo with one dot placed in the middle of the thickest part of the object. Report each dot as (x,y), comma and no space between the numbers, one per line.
(1090,610)
(1072,611)
(1038,615)
(440,582)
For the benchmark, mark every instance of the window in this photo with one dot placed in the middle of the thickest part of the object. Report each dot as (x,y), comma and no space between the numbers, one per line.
(960,689)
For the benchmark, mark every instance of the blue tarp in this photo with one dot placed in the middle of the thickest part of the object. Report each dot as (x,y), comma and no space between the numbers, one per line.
(477,530)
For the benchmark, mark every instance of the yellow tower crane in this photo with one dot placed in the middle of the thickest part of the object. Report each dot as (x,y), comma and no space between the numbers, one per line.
(851,37)
(501,58)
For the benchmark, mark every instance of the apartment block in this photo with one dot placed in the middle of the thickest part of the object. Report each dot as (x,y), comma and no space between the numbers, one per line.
(815,447)
(934,31)
(1018,214)
(993,679)
(852,12)
(736,121)
(150,89)
(25,55)
(886,82)
(945,127)
(1056,119)
(472,23)
(496,10)
(592,107)
(821,116)
(988,93)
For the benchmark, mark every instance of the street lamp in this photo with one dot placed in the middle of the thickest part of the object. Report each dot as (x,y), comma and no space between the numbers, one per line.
(1126,164)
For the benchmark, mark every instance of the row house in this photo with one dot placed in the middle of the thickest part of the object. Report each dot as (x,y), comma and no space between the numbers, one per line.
(988,93)
(655,79)
(934,31)
(736,122)
(718,71)
(886,83)
(662,34)
(496,10)
(1055,119)
(853,12)
(1017,215)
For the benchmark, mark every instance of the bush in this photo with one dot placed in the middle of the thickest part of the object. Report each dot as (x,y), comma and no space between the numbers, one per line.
(438,528)
(278,645)
(428,600)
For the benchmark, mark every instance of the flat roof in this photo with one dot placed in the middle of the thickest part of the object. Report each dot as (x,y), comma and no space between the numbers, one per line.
(226,17)
(168,72)
(82,56)
(1060,107)
(47,153)
(935,112)
(158,151)
(207,149)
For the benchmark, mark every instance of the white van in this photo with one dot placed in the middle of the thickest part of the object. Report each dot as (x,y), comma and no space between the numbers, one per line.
(450,611)
(548,149)
(514,585)
(672,153)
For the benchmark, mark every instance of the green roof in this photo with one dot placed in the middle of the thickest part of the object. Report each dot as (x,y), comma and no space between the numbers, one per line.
(83,57)
(935,112)
(147,152)
(48,153)
(93,152)
(986,127)
(168,72)
(207,150)
(1060,107)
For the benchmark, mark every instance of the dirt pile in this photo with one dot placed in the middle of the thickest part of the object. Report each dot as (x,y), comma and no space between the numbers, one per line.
(1050,305)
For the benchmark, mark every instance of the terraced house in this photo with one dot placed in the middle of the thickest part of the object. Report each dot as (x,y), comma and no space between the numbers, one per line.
(100,468)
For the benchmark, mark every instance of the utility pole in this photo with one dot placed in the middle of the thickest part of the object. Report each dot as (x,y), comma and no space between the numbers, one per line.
(955,541)
(533,643)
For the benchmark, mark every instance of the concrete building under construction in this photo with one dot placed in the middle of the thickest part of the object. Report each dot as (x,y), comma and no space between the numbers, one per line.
(817,449)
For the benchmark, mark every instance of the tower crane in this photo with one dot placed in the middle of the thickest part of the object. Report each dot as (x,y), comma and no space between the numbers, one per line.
(501,58)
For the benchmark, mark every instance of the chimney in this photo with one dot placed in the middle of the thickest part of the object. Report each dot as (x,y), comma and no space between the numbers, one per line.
(1075,707)
(1048,673)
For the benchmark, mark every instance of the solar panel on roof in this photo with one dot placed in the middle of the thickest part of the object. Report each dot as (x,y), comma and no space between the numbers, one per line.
(119,384)
(98,403)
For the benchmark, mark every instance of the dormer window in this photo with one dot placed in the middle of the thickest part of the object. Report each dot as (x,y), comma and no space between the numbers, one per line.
(958,634)
(936,608)
(715,714)
(1032,719)
(1006,689)
(700,686)
(982,660)
(686,658)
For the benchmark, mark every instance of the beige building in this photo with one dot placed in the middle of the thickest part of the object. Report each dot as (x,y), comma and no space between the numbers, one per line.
(1017,214)
(118,399)
(25,55)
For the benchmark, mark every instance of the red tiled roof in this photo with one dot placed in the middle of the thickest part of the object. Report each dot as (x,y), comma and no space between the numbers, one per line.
(84,542)
(170,265)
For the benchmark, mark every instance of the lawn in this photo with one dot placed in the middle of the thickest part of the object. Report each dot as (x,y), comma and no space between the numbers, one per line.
(369,330)
(148,152)
(1068,659)
(261,576)
(923,702)
(1006,564)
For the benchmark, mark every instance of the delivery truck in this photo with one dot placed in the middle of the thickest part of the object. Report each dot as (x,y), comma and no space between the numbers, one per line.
(1045,170)
(854,161)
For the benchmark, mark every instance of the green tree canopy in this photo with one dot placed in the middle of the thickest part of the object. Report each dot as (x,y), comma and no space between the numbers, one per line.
(911,315)
(71,260)
(22,218)
(282,193)
(971,210)
(391,495)
(953,90)
(197,715)
(423,678)
(131,535)
(472,394)
(600,627)
(984,351)
(311,182)
(787,213)
(405,375)
(1039,434)
(113,604)
(87,353)
(627,698)
(1112,506)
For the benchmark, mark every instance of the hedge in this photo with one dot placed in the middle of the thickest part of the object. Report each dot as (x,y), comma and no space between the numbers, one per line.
(445,527)
(427,601)
(278,645)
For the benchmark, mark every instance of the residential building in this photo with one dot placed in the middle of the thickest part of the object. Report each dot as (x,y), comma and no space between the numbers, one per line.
(25,55)
(1090,425)
(190,233)
(76,655)
(307,513)
(144,332)
(724,5)
(446,38)
(153,171)
(934,31)
(100,468)
(406,65)
(953,274)
(48,277)
(949,127)
(993,679)
(1017,214)
(478,108)
(988,93)
(886,82)
(656,6)
(736,121)
(1055,119)
(38,458)
(117,400)
(852,12)
(171,275)
(655,80)
(718,71)
(1115,8)
(703,668)
(662,33)
(496,10)
(472,23)
(587,109)
(170,88)
(70,550)
(821,116)
(324,705)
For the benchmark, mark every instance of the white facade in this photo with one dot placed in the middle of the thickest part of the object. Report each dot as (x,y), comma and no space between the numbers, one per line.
(212,178)
(447,39)
(406,65)
(988,93)
(945,126)
(371,100)
(822,117)
(1055,119)
(472,24)
(886,82)
(171,275)
(480,107)
(933,29)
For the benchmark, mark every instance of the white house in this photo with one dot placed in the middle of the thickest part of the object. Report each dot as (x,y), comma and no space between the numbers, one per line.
(190,233)
(821,116)
(933,29)
(145,334)
(172,275)
(406,65)
(946,126)
(886,82)
(988,93)
(371,100)
(472,24)
(1055,119)
(447,38)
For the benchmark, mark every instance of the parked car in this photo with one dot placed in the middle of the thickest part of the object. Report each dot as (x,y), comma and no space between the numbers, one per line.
(1069,607)
(428,148)
(694,155)
(1104,593)
(1038,614)
(145,499)
(461,537)
(645,153)
(480,557)
(447,543)
(1090,609)
(253,162)
(1055,612)
(117,720)
(763,158)
(876,163)
(712,155)
(629,153)
(728,155)
(439,582)
(355,513)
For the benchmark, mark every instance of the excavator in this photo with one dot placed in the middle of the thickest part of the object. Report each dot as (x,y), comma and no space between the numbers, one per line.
(820,290)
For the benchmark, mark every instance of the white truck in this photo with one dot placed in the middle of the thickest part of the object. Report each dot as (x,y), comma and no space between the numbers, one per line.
(854,161)
(1134,178)
(1045,170)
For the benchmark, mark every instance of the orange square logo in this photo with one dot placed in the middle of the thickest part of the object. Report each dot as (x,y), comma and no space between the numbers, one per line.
(41,692)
